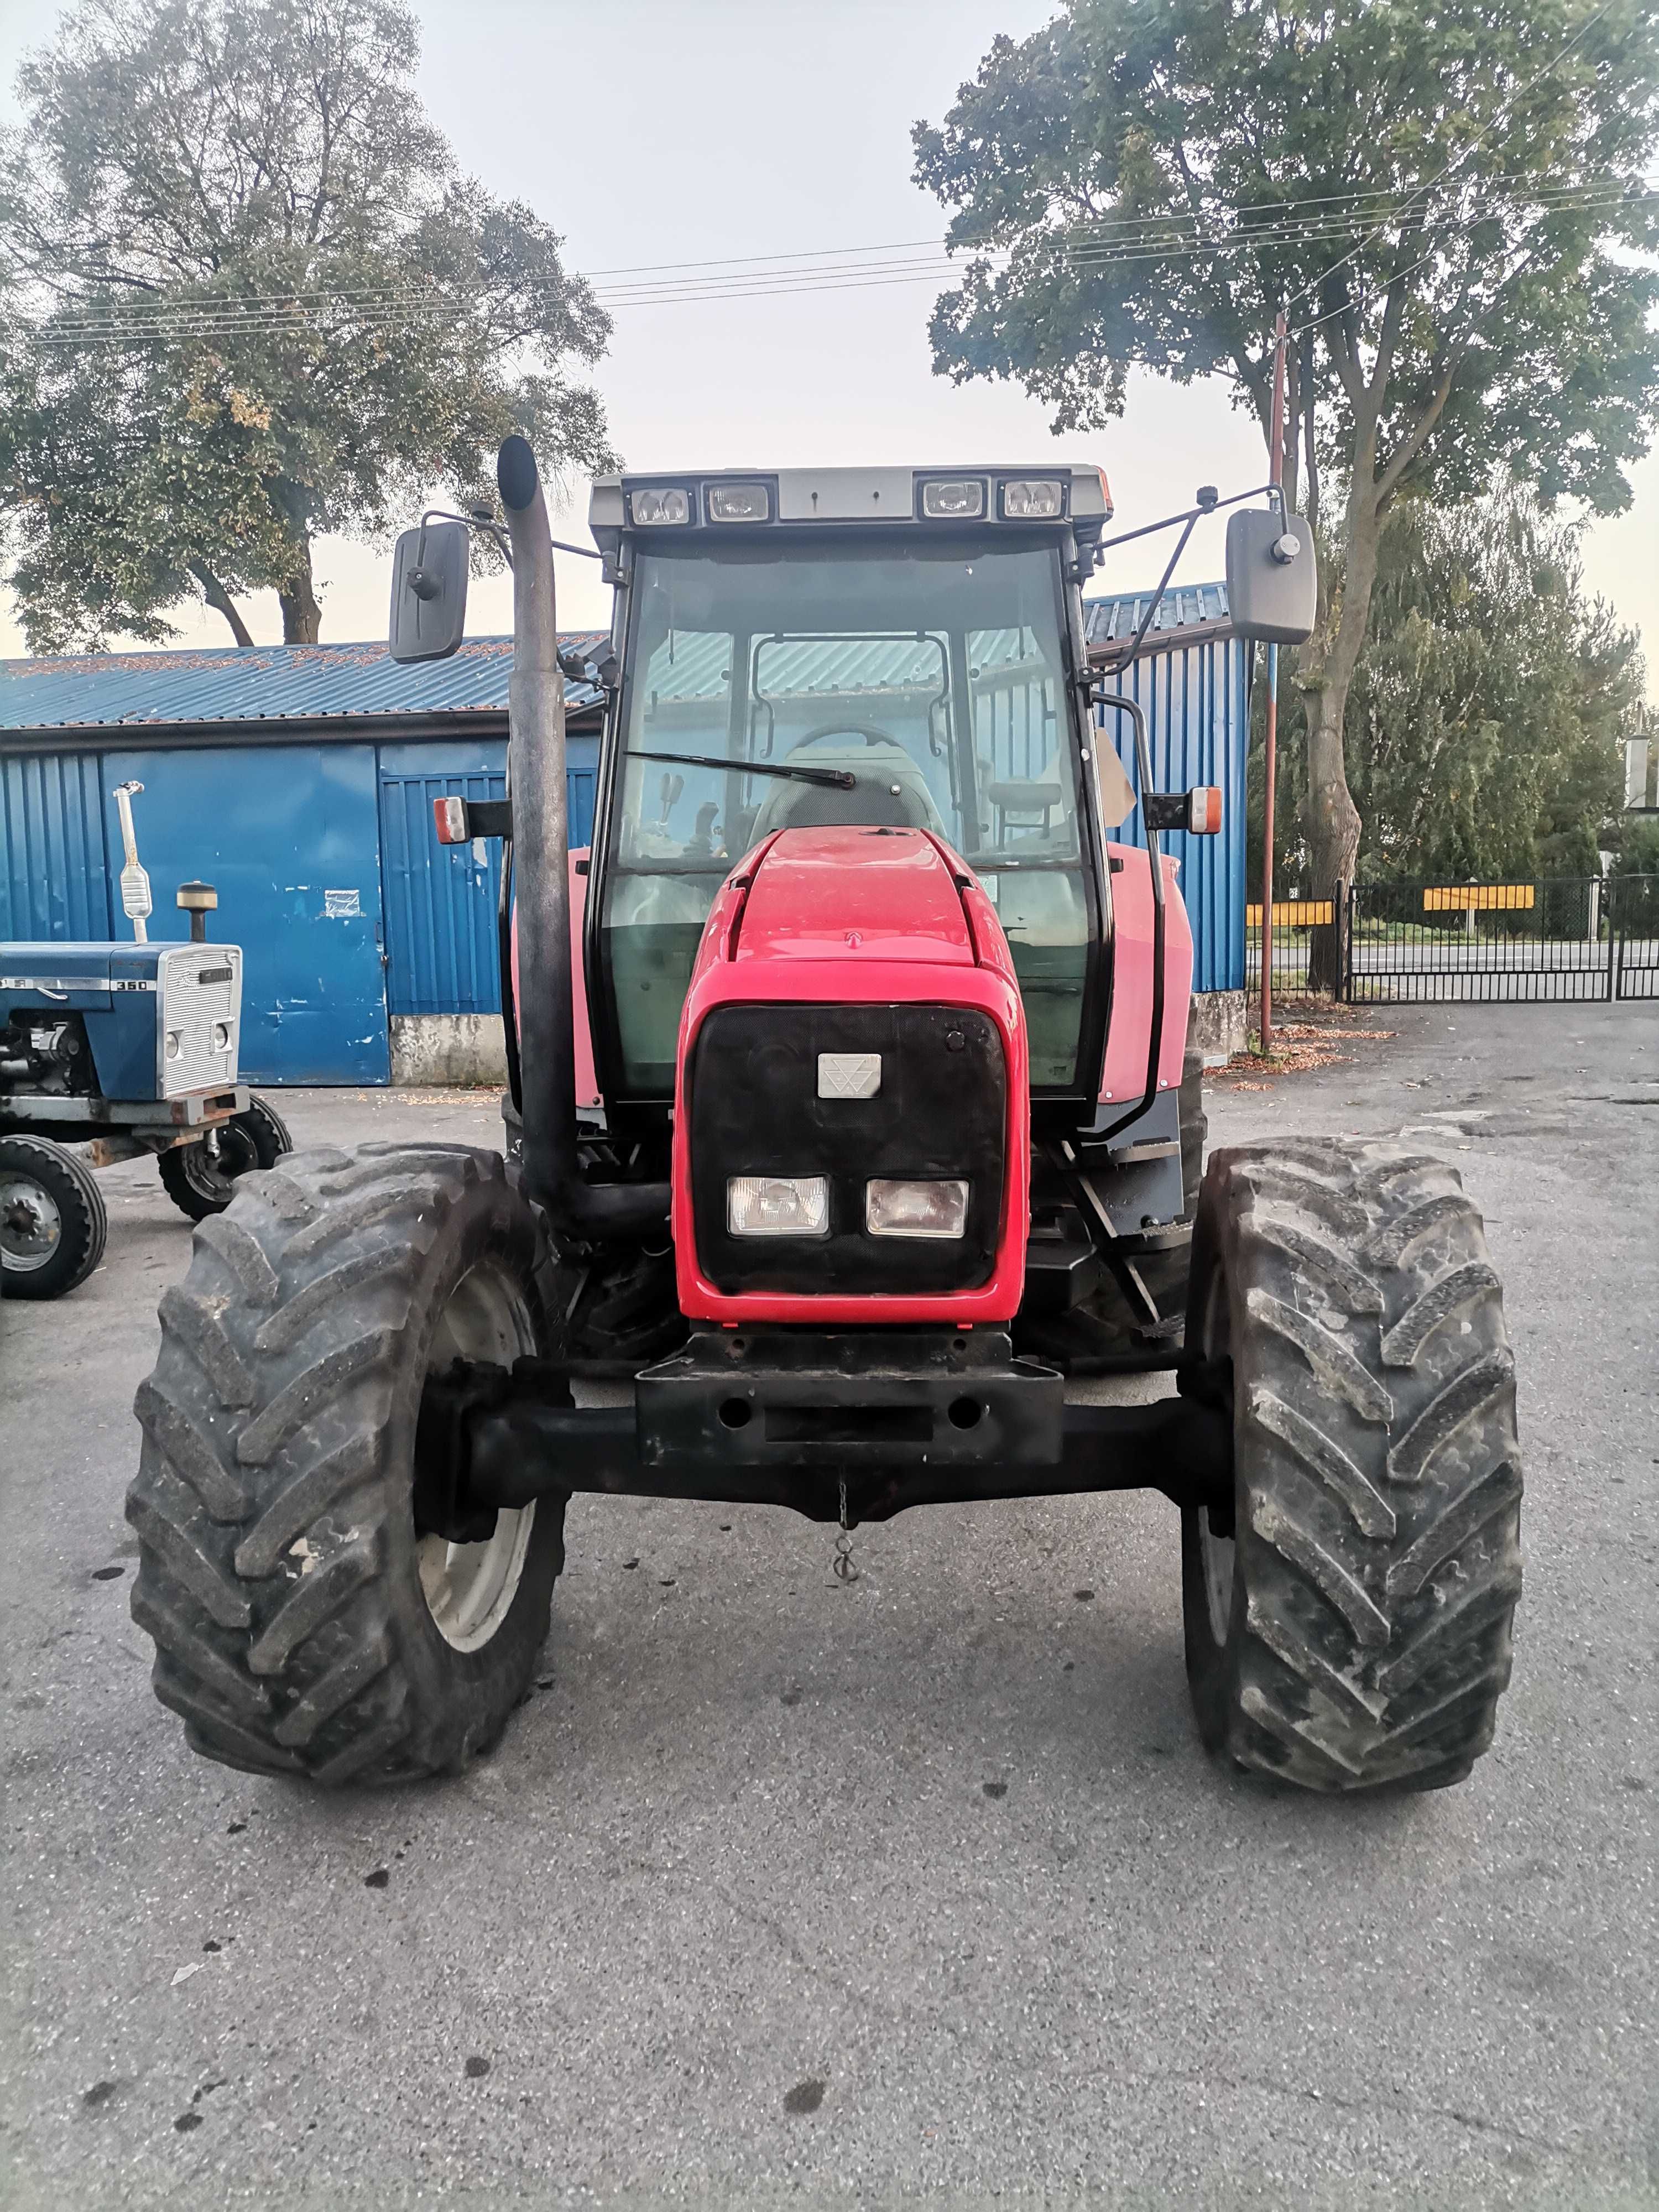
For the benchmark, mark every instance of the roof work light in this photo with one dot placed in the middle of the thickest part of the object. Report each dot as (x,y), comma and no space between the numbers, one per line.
(669,505)
(1032,499)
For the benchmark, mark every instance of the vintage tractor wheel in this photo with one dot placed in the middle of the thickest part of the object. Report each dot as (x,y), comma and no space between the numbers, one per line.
(200,1178)
(305,1621)
(1348,1621)
(52,1222)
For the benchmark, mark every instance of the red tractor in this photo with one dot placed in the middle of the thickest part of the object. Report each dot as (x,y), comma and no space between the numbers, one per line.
(850,1121)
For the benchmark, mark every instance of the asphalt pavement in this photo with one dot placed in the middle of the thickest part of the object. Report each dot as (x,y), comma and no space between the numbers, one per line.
(921,1889)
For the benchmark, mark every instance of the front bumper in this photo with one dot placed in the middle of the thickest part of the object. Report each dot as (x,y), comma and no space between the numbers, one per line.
(760,1397)
(861,1425)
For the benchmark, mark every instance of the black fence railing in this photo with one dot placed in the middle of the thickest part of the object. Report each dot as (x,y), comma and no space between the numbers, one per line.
(1568,939)
(1308,947)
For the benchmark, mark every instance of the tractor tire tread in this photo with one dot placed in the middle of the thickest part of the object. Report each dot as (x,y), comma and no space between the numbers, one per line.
(81,1206)
(265,1503)
(1379,1485)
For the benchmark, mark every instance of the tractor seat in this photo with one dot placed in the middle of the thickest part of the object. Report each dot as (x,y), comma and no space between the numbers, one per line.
(878,768)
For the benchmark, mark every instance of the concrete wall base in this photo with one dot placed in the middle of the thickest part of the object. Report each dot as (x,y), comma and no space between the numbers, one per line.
(466,1050)
(1218,1025)
(459,1050)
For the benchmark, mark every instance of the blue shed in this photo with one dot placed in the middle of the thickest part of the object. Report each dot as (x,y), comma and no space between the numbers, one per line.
(1192,681)
(299,780)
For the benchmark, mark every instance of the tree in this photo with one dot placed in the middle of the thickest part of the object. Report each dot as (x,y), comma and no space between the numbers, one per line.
(1439,189)
(253,299)
(1487,719)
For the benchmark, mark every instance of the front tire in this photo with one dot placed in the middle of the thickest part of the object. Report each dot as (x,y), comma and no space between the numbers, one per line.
(1348,1623)
(303,1623)
(52,1219)
(201,1178)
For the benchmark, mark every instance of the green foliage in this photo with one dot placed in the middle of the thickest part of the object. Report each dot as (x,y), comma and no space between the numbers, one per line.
(1486,722)
(1496,308)
(1451,197)
(252,299)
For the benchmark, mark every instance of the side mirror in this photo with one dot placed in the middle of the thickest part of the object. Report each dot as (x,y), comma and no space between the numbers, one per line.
(428,590)
(1273,577)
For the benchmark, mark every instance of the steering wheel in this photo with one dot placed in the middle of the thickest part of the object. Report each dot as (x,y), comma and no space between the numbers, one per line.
(871,735)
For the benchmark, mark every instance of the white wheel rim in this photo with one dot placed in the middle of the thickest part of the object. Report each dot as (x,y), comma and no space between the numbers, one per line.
(470,1588)
(1218,1553)
(31,1227)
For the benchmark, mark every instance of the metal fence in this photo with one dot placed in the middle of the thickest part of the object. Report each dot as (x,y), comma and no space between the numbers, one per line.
(1307,952)
(1573,939)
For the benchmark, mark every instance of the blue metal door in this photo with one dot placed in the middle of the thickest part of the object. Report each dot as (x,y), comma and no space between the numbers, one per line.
(54,875)
(440,900)
(289,836)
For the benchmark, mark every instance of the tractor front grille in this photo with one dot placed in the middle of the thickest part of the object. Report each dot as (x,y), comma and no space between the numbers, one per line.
(199,995)
(939,1113)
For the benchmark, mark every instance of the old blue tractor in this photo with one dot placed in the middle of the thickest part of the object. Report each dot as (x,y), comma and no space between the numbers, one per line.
(122,1049)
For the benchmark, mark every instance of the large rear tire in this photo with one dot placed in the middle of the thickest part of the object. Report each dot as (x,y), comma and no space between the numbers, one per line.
(201,1178)
(303,1623)
(1349,1628)
(52,1221)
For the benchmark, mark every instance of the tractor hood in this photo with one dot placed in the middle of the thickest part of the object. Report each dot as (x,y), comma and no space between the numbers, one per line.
(856,950)
(853,893)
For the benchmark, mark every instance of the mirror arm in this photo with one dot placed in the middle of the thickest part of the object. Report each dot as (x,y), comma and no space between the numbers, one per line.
(1192,514)
(1124,661)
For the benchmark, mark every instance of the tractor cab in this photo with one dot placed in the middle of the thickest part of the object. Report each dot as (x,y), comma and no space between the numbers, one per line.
(883,647)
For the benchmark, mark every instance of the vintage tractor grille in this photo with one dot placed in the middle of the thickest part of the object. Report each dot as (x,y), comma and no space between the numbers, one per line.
(939,1113)
(199,993)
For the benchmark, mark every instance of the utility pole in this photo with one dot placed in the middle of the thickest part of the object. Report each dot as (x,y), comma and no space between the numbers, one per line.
(1275,475)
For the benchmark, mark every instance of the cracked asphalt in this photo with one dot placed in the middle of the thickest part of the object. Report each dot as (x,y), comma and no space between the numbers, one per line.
(777,1891)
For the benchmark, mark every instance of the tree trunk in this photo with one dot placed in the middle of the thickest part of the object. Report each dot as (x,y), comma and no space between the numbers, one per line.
(1333,823)
(302,619)
(221,601)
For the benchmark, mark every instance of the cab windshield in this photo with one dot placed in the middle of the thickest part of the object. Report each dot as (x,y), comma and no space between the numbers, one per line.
(922,685)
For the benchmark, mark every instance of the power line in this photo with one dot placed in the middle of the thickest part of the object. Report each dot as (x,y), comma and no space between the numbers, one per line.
(1458,160)
(310,312)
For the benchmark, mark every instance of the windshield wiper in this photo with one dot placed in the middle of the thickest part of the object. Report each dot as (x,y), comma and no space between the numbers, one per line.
(832,779)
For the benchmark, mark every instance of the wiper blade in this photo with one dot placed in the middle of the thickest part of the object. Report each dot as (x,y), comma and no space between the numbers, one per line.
(832,779)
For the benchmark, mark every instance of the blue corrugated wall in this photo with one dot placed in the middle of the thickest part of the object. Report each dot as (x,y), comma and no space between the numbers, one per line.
(55,882)
(440,900)
(1196,702)
(214,811)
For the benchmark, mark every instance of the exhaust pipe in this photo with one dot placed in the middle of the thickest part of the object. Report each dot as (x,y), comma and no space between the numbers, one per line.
(547,1042)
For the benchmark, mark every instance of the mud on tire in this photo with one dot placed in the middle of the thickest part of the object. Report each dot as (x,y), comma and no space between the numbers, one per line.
(281,1573)
(1357,1633)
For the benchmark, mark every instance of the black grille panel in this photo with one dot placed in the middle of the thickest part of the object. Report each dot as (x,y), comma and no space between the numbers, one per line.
(941,1111)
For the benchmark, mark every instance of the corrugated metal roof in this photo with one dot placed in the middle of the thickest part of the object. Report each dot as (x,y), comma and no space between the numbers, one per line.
(329,682)
(276,682)
(1188,606)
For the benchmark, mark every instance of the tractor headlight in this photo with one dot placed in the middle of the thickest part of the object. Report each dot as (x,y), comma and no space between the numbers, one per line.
(652,508)
(175,1043)
(777,1205)
(222,1036)
(1032,499)
(916,1209)
(749,503)
(954,499)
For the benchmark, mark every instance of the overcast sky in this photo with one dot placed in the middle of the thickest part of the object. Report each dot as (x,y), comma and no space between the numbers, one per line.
(671,131)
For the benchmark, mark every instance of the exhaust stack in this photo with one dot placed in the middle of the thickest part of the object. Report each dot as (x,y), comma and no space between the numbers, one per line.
(536,779)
